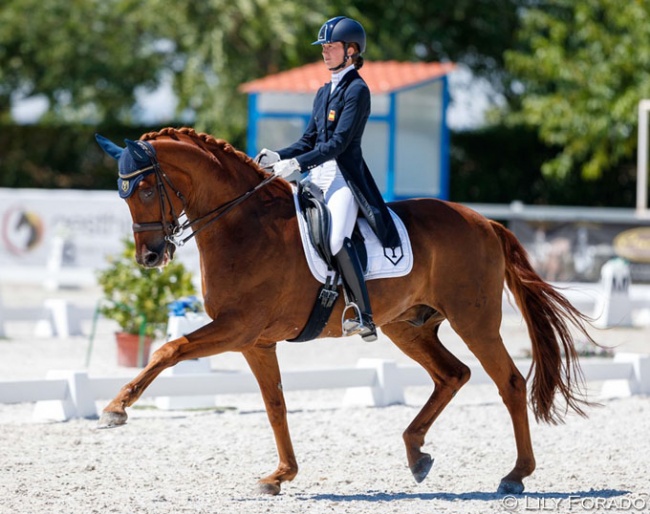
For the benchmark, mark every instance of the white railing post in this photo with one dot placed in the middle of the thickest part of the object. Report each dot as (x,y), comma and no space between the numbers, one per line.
(79,401)
(614,307)
(642,160)
(387,389)
(637,380)
(178,326)
(60,319)
(640,381)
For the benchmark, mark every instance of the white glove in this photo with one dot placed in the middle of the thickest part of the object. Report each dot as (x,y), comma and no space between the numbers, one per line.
(286,167)
(266,158)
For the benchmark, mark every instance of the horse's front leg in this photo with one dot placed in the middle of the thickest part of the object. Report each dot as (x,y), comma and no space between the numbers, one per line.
(263,362)
(208,340)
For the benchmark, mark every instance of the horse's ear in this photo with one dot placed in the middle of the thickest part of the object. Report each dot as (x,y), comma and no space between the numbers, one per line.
(137,152)
(109,147)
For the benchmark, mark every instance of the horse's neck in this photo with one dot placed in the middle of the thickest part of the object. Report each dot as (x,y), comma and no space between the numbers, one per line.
(214,185)
(246,246)
(256,219)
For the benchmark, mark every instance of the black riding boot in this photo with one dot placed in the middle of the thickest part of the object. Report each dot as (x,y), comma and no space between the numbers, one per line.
(352,274)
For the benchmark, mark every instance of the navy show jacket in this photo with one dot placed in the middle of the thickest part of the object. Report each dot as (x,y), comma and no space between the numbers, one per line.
(334,131)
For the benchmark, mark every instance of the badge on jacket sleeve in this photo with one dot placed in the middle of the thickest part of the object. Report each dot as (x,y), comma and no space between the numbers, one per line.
(332,115)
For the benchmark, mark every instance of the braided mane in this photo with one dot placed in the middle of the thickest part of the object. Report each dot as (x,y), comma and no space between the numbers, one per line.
(205,141)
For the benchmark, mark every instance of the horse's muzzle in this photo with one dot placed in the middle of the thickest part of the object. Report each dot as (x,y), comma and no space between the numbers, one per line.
(156,257)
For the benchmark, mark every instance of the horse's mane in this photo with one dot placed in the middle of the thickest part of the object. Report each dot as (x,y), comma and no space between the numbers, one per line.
(205,141)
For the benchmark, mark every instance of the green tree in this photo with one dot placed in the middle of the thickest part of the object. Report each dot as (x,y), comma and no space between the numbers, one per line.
(87,57)
(582,67)
(224,43)
(475,33)
(221,44)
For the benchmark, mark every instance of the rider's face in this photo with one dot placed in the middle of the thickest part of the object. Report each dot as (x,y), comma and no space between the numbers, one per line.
(333,54)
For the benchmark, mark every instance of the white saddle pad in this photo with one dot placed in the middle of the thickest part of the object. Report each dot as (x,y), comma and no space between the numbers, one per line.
(379,266)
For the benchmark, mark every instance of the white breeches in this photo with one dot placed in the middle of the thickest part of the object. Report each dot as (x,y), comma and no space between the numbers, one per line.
(340,202)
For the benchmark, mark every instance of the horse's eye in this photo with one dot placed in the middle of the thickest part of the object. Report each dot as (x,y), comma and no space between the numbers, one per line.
(146,194)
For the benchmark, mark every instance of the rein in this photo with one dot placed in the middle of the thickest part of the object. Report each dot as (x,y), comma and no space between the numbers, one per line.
(174,230)
(219,212)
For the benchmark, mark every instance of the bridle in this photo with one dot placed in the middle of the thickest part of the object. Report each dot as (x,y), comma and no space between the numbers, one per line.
(173,230)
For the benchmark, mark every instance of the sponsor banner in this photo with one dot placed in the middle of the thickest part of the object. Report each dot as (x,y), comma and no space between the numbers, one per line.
(77,229)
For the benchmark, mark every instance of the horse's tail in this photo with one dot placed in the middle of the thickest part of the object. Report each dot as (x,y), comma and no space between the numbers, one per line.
(548,315)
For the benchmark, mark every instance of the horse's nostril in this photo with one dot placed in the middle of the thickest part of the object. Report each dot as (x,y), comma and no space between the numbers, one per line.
(150,259)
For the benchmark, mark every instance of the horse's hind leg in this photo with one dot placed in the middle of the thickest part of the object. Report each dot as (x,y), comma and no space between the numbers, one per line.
(486,344)
(263,362)
(448,374)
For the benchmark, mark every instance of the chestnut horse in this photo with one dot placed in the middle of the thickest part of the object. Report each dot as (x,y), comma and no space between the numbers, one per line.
(258,290)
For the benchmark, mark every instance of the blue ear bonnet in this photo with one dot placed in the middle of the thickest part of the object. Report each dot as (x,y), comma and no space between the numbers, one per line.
(133,165)
(133,170)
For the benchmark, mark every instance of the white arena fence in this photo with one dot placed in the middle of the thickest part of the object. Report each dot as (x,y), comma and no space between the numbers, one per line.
(56,317)
(610,306)
(65,395)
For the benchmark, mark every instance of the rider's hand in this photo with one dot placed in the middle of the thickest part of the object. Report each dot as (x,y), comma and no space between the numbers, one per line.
(286,167)
(266,158)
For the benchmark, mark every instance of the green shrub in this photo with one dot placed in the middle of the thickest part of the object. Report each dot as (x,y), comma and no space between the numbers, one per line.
(136,297)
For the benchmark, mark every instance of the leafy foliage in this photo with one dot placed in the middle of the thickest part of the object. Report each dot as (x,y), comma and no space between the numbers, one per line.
(134,295)
(60,156)
(571,71)
(481,175)
(583,66)
(87,57)
(473,32)
(221,44)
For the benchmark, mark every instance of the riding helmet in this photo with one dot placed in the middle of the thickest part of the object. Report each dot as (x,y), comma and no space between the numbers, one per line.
(345,30)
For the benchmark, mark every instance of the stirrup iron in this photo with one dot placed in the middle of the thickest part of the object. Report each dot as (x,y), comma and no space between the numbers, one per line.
(356,325)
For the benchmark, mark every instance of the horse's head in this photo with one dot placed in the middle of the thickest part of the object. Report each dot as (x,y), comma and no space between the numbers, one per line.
(144,187)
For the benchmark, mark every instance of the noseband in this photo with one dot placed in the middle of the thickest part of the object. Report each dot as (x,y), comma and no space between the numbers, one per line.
(173,230)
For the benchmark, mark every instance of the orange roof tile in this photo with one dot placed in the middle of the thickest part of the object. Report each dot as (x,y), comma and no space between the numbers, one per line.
(381,77)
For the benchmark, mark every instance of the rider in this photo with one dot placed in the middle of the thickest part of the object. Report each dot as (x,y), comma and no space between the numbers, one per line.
(330,150)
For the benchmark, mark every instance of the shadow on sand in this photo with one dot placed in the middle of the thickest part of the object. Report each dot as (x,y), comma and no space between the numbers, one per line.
(378,496)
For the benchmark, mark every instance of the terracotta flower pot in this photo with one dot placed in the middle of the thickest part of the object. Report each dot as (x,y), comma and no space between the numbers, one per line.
(128,349)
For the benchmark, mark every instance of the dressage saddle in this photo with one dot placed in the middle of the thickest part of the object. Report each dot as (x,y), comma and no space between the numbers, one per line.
(319,224)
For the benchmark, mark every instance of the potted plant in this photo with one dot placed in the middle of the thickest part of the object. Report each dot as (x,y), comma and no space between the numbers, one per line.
(137,299)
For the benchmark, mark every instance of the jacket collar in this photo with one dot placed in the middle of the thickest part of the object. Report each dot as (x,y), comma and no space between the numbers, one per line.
(338,75)
(345,80)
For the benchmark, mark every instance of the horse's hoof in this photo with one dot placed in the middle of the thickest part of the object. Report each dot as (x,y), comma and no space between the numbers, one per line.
(267,488)
(422,467)
(112,419)
(510,487)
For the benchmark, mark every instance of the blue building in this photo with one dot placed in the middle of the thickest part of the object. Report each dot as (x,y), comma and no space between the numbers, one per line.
(406,142)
